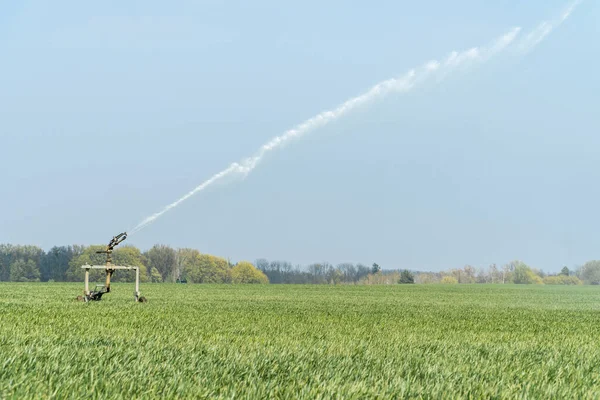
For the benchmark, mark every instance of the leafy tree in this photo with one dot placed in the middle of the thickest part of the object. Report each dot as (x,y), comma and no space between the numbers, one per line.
(87,257)
(214,269)
(245,272)
(24,271)
(406,277)
(129,256)
(523,274)
(565,271)
(376,268)
(164,259)
(55,263)
(449,280)
(155,276)
(183,259)
(590,272)
(6,256)
(9,254)
(204,268)
(334,275)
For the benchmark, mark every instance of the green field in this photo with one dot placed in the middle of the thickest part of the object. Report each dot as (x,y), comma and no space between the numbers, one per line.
(275,341)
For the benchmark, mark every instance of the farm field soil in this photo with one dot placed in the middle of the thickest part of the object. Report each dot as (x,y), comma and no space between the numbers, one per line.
(279,341)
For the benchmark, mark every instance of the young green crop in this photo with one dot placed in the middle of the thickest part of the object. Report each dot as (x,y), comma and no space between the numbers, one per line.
(285,341)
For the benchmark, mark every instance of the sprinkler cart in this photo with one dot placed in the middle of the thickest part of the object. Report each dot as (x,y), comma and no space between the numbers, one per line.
(99,290)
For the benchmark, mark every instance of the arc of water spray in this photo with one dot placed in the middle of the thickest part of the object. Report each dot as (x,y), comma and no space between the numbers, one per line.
(537,35)
(403,84)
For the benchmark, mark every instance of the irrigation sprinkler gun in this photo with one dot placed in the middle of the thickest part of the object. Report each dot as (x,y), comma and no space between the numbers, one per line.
(99,290)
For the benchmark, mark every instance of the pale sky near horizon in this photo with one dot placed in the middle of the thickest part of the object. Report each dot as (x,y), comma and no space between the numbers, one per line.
(110,111)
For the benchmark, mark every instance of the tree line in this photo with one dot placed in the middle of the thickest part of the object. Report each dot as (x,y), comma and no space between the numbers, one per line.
(163,263)
(159,264)
(516,272)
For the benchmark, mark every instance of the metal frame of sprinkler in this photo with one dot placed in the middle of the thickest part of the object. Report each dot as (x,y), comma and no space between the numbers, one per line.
(99,290)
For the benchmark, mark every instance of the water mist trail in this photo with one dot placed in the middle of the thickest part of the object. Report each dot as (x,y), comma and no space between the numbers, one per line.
(405,83)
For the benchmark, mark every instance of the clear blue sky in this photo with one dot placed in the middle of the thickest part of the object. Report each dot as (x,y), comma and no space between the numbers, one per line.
(111,110)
